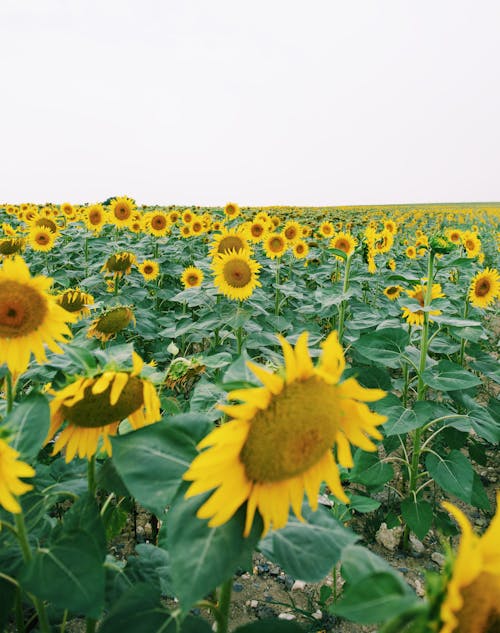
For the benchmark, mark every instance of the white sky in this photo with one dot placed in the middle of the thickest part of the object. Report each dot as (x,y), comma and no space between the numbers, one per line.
(258,101)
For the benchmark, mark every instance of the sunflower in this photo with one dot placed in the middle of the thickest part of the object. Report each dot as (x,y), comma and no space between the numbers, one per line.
(11,469)
(235,274)
(229,240)
(343,242)
(197,226)
(454,235)
(173,217)
(67,208)
(41,239)
(484,288)
(111,322)
(472,243)
(94,406)
(185,231)
(326,229)
(149,269)
(275,245)
(471,603)
(187,216)
(29,317)
(391,226)
(391,264)
(95,217)
(300,249)
(411,252)
(157,223)
(75,301)
(418,293)
(231,210)
(120,263)
(120,211)
(278,444)
(383,242)
(11,246)
(292,231)
(256,230)
(191,277)
(393,292)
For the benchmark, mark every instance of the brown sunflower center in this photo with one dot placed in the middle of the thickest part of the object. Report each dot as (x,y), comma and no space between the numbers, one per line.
(42,238)
(256,230)
(122,211)
(470,245)
(22,309)
(192,280)
(95,409)
(95,217)
(299,249)
(343,245)
(276,244)
(292,434)
(481,611)
(482,288)
(230,243)
(237,273)
(46,223)
(158,222)
(9,247)
(148,269)
(230,209)
(291,233)
(326,229)
(196,228)
(114,321)
(392,290)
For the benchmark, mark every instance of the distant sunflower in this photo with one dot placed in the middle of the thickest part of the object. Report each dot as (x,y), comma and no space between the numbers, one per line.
(95,217)
(279,443)
(93,408)
(256,230)
(229,240)
(343,242)
(236,274)
(411,252)
(275,245)
(383,242)
(454,235)
(187,216)
(292,231)
(191,277)
(120,211)
(41,239)
(484,288)
(111,322)
(149,269)
(173,217)
(391,226)
(231,210)
(12,246)
(326,229)
(120,263)
(418,293)
(197,226)
(29,317)
(472,243)
(67,208)
(75,301)
(157,223)
(393,292)
(300,249)
(185,231)
(11,470)
(471,603)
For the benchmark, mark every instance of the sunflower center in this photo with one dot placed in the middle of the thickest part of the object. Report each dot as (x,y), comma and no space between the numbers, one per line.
(159,222)
(192,280)
(148,269)
(94,217)
(482,288)
(292,434)
(470,245)
(290,233)
(95,409)
(480,612)
(122,212)
(276,244)
(342,245)
(237,273)
(230,243)
(42,238)
(256,230)
(392,290)
(22,309)
(47,223)
(299,249)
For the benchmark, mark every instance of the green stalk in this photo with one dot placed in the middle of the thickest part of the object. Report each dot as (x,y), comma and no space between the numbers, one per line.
(22,537)
(9,391)
(421,388)
(117,285)
(343,304)
(277,297)
(91,476)
(224,603)
(463,341)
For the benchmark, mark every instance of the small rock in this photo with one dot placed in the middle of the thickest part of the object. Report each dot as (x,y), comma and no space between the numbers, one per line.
(286,616)
(237,586)
(254,604)
(403,570)
(245,576)
(298,585)
(438,558)
(325,501)
(275,571)
(317,615)
(419,588)
(417,546)
(148,530)
(264,612)
(268,597)
(389,538)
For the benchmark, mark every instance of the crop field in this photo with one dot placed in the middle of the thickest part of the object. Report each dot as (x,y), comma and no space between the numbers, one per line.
(259,420)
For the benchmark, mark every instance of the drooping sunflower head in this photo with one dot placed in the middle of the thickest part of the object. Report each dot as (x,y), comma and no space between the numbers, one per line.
(12,246)
(383,242)
(484,288)
(191,277)
(29,317)
(120,210)
(231,210)
(229,240)
(120,263)
(93,407)
(236,274)
(415,316)
(279,442)
(111,322)
(42,239)
(275,245)
(470,604)
(75,301)
(393,292)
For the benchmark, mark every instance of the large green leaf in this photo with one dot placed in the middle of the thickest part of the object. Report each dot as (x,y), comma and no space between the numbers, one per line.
(383,346)
(308,550)
(448,376)
(452,472)
(138,610)
(369,470)
(418,515)
(161,452)
(202,558)
(29,424)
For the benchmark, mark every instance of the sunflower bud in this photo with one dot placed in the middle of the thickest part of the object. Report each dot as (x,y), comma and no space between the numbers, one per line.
(439,243)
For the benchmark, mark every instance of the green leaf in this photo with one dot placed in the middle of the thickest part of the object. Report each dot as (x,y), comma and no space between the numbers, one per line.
(161,452)
(29,423)
(308,550)
(369,470)
(453,473)
(479,498)
(70,572)
(383,346)
(270,626)
(139,609)
(202,558)
(7,598)
(418,515)
(448,376)
(359,562)
(374,598)
(363,504)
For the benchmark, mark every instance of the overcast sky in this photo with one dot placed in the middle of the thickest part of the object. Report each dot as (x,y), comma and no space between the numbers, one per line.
(313,102)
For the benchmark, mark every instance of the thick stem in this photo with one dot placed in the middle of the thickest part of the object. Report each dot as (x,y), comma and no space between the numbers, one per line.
(9,391)
(224,603)
(91,475)
(276,284)
(343,304)
(463,341)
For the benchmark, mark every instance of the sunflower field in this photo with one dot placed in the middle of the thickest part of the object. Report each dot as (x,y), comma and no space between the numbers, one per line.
(301,390)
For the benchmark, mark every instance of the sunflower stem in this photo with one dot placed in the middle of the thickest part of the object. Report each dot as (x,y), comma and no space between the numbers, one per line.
(421,388)
(117,285)
(91,475)
(224,603)
(463,341)
(276,284)
(343,303)
(22,537)
(9,391)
